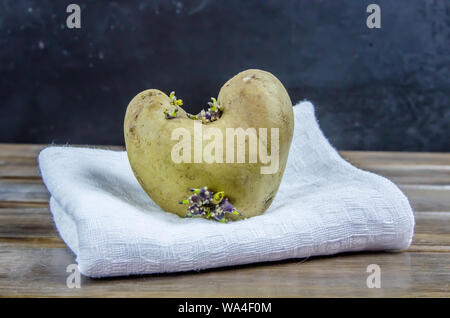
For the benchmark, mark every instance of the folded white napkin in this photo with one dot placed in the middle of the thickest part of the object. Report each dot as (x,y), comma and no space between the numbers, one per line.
(324,206)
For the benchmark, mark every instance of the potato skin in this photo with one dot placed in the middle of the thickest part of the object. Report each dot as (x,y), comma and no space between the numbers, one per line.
(252,98)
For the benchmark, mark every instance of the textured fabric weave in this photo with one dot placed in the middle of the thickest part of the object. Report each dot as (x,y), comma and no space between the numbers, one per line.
(324,206)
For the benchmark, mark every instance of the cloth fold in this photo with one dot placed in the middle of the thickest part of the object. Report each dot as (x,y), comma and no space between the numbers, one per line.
(324,206)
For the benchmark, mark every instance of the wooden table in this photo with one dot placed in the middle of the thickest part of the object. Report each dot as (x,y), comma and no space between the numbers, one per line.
(33,258)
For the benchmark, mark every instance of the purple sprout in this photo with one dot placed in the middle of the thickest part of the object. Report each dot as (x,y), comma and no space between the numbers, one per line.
(207,204)
(213,113)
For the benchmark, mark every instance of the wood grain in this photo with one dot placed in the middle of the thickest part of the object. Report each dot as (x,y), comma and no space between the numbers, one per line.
(427,198)
(30,190)
(33,191)
(20,160)
(392,158)
(20,150)
(432,229)
(30,227)
(42,272)
(26,222)
(404,167)
(33,258)
(401,167)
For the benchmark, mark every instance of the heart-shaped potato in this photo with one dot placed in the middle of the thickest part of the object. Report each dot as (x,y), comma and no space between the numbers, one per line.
(251,103)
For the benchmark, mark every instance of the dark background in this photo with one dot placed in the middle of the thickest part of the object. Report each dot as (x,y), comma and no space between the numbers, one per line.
(374,89)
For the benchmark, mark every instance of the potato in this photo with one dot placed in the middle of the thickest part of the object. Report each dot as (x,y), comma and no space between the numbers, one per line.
(252,99)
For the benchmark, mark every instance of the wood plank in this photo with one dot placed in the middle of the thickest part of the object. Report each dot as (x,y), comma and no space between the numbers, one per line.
(421,197)
(34,227)
(412,175)
(399,158)
(42,272)
(404,167)
(34,193)
(32,150)
(360,158)
(29,227)
(20,160)
(19,167)
(432,229)
(429,248)
(25,222)
(37,242)
(20,150)
(427,198)
(22,204)
(22,190)
(33,257)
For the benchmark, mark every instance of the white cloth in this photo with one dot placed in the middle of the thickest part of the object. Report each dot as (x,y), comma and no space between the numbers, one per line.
(324,206)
